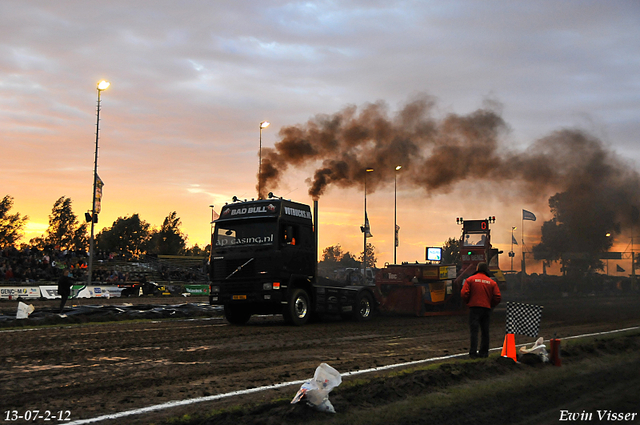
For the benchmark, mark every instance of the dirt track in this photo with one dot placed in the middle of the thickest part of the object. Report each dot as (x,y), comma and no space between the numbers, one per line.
(95,369)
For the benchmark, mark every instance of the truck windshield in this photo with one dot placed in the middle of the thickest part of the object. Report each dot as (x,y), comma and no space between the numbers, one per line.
(475,239)
(229,235)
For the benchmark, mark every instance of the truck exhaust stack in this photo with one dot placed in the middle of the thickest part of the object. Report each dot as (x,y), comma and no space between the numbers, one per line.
(315,228)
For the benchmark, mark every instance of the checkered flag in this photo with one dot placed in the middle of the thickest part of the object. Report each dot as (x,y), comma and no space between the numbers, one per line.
(523,319)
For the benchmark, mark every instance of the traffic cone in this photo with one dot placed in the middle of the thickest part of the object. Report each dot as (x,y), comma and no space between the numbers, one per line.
(509,347)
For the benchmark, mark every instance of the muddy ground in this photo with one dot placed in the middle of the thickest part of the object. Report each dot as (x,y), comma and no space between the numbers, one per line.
(96,368)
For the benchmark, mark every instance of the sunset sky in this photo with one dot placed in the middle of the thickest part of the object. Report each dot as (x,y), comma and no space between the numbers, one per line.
(192,80)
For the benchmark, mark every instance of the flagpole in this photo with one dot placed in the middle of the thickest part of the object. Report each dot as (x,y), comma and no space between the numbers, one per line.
(522,241)
(511,254)
(633,263)
(366,225)
(522,266)
(364,249)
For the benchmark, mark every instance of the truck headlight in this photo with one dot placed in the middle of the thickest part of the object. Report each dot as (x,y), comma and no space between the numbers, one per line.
(269,286)
(215,289)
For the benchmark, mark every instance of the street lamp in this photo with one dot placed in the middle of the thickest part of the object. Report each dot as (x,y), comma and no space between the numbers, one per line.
(365,229)
(102,85)
(263,124)
(395,213)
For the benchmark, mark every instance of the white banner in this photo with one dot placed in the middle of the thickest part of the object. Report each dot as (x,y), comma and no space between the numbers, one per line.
(51,291)
(15,292)
(95,291)
(82,291)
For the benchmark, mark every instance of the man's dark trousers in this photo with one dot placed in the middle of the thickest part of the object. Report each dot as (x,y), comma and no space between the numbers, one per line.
(479,318)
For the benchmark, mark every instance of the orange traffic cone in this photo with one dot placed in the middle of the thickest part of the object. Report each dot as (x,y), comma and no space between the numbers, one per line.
(509,347)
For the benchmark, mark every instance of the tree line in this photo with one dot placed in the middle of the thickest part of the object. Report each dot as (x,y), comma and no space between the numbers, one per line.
(128,237)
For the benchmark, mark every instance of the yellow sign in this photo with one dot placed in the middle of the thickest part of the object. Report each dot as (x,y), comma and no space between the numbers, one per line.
(447,272)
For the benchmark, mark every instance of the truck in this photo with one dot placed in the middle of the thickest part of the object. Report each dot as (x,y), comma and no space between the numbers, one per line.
(433,289)
(475,247)
(264,261)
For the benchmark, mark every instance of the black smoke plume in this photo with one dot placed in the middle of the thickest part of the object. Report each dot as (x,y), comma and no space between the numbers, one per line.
(592,183)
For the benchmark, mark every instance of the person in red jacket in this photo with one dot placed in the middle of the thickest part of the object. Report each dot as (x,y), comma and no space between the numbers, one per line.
(481,293)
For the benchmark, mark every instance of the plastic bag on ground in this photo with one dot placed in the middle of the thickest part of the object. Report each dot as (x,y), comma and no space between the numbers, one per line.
(538,348)
(24,310)
(316,391)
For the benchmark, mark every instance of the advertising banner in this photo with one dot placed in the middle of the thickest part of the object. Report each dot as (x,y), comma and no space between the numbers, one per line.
(197,289)
(49,291)
(84,291)
(15,292)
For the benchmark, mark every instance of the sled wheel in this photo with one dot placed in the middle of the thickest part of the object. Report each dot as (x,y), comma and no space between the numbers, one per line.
(363,310)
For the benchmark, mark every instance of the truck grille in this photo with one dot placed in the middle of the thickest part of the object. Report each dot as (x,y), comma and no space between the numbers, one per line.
(223,268)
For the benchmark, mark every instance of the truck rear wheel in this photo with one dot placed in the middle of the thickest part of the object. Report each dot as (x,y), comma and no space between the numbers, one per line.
(298,311)
(236,315)
(363,309)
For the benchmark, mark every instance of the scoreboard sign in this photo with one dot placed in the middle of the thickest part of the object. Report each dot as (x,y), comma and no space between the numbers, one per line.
(472,226)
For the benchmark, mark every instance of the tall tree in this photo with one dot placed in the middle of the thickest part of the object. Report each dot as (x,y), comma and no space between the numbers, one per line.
(371,256)
(81,238)
(11,225)
(63,226)
(577,234)
(451,252)
(334,256)
(332,253)
(334,259)
(170,240)
(128,237)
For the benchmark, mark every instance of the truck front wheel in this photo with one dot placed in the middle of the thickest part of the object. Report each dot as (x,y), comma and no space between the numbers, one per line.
(236,315)
(298,310)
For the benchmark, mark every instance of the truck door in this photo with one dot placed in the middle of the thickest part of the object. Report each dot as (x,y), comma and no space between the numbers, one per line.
(297,248)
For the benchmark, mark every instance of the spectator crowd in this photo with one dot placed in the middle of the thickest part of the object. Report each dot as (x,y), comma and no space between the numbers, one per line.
(31,265)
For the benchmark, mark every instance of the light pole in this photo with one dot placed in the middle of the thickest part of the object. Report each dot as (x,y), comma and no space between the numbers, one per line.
(365,229)
(395,213)
(263,124)
(102,85)
(512,254)
(608,235)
